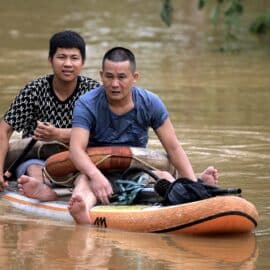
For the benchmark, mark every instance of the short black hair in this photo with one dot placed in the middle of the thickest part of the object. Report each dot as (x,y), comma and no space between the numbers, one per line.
(66,39)
(119,54)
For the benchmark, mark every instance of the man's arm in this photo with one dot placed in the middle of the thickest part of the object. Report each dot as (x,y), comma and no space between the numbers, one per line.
(99,184)
(175,151)
(5,134)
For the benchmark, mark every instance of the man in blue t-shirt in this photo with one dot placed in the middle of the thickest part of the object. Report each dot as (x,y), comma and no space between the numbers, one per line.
(93,113)
(119,113)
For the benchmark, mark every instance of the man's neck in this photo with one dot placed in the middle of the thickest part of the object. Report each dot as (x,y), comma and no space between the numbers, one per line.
(62,89)
(121,107)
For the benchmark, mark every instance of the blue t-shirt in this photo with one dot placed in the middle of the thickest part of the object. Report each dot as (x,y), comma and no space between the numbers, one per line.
(92,112)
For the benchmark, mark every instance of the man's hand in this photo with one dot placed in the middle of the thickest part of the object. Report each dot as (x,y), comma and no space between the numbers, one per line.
(45,131)
(102,188)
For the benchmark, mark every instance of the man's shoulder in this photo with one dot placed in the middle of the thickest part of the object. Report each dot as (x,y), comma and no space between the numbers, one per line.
(88,82)
(40,80)
(93,94)
(36,84)
(144,93)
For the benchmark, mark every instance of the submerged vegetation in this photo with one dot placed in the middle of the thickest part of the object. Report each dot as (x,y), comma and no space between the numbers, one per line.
(226,13)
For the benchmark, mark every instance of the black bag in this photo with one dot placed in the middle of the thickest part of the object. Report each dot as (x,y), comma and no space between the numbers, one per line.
(184,190)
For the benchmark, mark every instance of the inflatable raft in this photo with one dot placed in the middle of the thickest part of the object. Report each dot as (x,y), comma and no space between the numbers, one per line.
(218,215)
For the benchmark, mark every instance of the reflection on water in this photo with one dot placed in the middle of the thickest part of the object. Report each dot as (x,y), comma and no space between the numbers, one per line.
(41,246)
(219,104)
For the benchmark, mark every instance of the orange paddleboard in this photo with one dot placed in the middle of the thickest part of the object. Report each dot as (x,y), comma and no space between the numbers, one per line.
(218,215)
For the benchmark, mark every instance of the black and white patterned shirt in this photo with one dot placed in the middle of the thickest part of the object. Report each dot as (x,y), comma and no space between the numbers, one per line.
(37,101)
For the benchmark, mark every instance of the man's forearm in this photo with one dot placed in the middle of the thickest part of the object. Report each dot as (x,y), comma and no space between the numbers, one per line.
(63,135)
(3,153)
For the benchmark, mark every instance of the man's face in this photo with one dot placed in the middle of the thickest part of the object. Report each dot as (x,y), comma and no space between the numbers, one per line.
(67,64)
(118,79)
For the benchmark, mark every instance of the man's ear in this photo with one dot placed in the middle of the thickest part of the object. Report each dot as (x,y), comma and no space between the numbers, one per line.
(50,59)
(135,76)
(101,73)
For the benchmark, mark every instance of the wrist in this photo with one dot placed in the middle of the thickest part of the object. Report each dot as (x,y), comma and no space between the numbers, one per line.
(56,134)
(62,134)
(94,174)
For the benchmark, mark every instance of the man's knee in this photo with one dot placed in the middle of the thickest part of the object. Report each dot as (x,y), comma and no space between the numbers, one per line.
(33,169)
(32,164)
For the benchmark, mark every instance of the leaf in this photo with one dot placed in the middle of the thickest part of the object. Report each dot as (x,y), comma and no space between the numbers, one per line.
(166,12)
(215,13)
(201,3)
(259,26)
(236,7)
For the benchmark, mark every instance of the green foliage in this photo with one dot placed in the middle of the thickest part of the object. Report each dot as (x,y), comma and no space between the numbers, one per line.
(227,13)
(166,12)
(230,11)
(233,9)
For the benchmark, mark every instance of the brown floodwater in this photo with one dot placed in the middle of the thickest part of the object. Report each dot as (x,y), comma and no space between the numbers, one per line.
(218,102)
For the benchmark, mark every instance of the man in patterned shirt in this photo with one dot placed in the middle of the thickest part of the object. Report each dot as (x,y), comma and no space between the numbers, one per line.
(43,108)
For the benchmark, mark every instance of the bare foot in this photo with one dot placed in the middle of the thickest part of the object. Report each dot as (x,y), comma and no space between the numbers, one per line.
(35,189)
(210,176)
(78,210)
